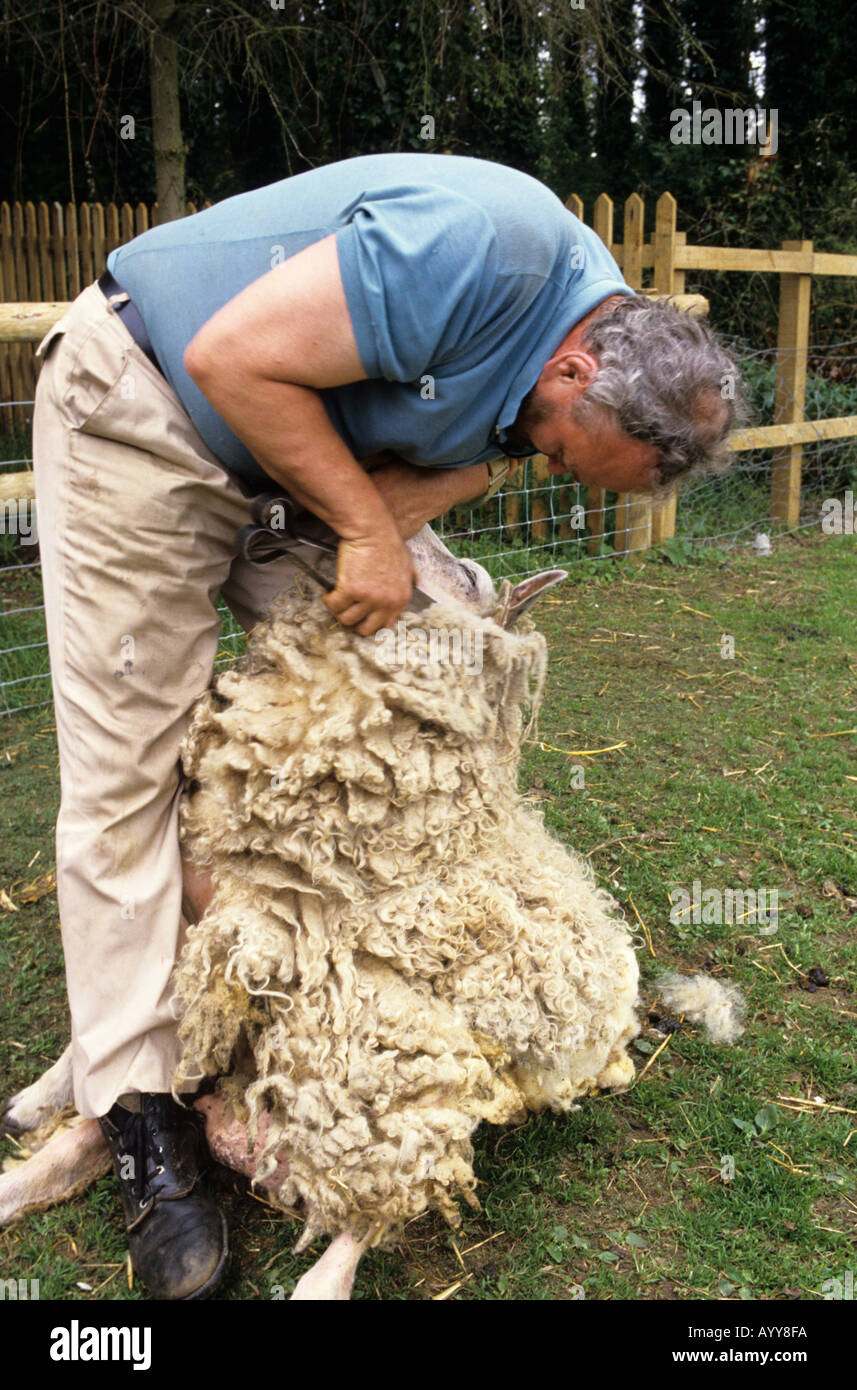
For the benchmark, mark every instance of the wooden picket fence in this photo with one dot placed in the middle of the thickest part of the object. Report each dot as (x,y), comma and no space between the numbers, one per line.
(48,254)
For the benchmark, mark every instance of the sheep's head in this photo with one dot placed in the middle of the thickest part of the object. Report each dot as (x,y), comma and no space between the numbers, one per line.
(443,577)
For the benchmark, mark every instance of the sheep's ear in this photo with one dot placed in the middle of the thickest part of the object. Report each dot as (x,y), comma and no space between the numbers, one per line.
(524,595)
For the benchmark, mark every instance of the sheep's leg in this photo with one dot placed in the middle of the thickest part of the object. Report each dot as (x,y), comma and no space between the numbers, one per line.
(331,1278)
(30,1108)
(197,891)
(227,1139)
(72,1159)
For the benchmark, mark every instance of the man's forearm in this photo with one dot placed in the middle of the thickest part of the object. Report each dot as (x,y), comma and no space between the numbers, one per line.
(287,429)
(416,495)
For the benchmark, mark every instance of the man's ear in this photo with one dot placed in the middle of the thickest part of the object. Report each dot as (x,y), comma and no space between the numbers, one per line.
(574,364)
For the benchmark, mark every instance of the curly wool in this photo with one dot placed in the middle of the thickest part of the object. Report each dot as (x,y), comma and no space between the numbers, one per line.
(716,1004)
(397,948)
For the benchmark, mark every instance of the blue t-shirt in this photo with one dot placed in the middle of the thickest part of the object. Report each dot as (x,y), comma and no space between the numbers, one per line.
(462,278)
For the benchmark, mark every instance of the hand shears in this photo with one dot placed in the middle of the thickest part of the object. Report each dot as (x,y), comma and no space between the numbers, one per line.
(275,532)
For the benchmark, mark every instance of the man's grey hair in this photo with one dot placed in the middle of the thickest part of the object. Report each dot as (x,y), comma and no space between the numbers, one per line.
(662,376)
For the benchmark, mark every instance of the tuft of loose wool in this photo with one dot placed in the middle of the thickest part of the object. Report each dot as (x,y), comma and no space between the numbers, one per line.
(398,949)
(717,1006)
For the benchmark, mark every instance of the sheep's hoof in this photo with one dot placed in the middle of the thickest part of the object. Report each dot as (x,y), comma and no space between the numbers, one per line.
(10,1128)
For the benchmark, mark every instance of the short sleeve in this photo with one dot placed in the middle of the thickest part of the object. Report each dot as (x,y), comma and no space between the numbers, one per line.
(418,267)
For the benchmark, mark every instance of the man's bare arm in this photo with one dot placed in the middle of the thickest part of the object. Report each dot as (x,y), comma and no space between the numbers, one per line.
(415,495)
(262,360)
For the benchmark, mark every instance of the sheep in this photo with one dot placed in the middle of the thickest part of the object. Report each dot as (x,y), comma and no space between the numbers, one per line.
(396,948)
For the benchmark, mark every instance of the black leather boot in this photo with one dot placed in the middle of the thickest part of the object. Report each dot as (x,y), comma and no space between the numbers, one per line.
(176,1235)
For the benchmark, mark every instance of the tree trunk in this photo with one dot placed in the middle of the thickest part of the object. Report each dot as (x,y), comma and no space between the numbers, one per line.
(662,58)
(614,102)
(167,139)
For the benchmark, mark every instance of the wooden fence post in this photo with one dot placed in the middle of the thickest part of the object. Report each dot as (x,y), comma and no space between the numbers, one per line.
(540,508)
(510,504)
(602,222)
(667,280)
(679,275)
(663,520)
(633,525)
(792,344)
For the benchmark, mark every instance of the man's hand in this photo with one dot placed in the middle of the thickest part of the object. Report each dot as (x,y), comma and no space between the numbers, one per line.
(374,579)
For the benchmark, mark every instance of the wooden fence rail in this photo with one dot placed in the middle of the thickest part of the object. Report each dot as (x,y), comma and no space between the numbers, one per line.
(48,254)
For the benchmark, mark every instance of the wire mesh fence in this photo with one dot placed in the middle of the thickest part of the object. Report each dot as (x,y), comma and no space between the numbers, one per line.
(536,522)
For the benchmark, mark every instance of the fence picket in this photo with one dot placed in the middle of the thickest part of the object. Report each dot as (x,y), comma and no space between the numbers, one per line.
(58,252)
(44,234)
(6,292)
(632,234)
(31,252)
(126,224)
(665,246)
(105,234)
(17,275)
(72,253)
(84,246)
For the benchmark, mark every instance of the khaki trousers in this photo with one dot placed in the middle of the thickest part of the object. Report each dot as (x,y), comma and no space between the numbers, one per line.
(136,529)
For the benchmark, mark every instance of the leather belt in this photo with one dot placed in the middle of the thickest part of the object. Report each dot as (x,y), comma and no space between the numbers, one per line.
(110,286)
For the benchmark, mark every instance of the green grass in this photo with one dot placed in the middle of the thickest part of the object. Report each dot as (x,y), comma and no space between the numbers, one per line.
(732,771)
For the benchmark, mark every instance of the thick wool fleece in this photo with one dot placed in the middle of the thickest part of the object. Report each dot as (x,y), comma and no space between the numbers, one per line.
(716,1004)
(398,949)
